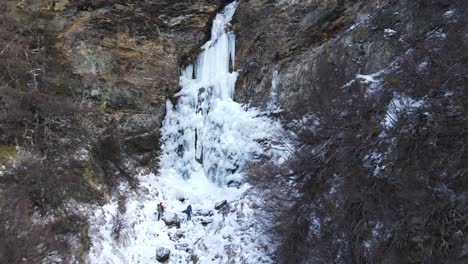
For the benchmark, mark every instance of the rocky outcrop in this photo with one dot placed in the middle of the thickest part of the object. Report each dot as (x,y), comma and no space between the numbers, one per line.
(118,61)
(299,39)
(220,205)
(129,54)
(83,86)
(313,44)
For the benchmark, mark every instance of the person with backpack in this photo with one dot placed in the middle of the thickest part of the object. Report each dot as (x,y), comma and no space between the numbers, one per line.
(160,210)
(188,211)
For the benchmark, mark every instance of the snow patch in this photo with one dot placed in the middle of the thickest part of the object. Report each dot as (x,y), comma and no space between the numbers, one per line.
(361,20)
(389,32)
(399,105)
(374,80)
(374,160)
(450,13)
(422,67)
(449,94)
(81,154)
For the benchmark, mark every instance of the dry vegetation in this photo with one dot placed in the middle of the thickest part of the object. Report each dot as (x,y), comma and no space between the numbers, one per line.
(42,109)
(329,202)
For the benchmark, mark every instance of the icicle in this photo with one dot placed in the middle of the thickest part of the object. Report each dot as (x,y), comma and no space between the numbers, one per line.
(273,103)
(232,48)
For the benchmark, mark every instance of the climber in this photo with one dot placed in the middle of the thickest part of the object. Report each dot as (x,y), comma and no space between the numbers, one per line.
(188,211)
(160,210)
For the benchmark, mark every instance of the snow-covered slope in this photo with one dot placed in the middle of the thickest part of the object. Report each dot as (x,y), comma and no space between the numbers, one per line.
(131,233)
(207,138)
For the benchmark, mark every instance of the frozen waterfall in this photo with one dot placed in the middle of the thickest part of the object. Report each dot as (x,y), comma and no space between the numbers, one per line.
(207,134)
(207,138)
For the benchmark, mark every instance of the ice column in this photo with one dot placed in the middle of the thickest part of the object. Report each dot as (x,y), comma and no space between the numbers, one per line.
(199,133)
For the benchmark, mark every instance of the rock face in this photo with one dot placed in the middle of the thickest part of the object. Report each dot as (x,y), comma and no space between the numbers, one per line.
(377,90)
(129,54)
(83,86)
(299,40)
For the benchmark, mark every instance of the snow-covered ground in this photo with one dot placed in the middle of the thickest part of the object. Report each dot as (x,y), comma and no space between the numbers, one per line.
(207,139)
(132,234)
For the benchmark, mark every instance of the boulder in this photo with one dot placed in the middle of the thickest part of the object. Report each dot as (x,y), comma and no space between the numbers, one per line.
(234,184)
(184,247)
(171,219)
(206,221)
(162,254)
(202,212)
(220,204)
(177,235)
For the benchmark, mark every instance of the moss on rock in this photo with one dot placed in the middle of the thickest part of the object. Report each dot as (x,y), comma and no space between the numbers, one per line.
(6,153)
(94,180)
(61,5)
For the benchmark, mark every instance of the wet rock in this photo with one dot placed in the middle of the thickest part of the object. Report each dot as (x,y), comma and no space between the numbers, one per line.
(220,204)
(163,254)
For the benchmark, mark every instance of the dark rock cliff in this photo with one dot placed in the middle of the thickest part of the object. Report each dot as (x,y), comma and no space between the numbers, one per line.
(375,94)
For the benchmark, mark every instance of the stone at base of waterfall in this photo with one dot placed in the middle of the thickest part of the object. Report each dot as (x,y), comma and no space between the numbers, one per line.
(203,212)
(184,247)
(171,219)
(162,254)
(177,235)
(220,204)
(234,184)
(207,221)
(231,250)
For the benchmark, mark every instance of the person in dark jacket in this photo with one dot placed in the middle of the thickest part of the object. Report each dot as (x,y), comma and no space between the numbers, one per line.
(188,211)
(160,210)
